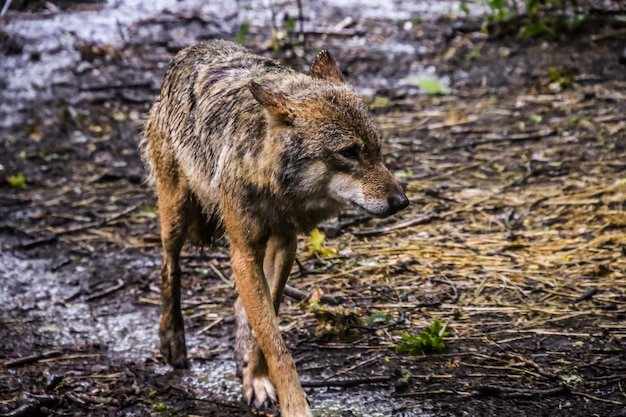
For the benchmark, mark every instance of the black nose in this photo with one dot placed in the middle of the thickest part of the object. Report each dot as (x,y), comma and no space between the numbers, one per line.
(397,201)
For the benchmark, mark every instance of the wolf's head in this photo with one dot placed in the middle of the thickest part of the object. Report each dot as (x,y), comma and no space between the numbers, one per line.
(331,150)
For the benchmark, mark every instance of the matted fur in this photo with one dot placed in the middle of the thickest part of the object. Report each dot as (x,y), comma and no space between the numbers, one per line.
(235,142)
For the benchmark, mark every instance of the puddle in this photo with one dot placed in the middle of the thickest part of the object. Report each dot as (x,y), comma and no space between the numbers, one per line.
(32,293)
(37,296)
(217,378)
(130,333)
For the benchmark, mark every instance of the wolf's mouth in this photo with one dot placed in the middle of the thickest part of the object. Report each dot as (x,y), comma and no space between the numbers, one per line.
(393,206)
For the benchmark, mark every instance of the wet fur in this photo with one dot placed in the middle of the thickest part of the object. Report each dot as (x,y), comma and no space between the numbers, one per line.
(237,143)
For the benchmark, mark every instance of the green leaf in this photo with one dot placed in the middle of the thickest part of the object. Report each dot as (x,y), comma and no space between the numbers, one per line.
(571,376)
(432,86)
(533,29)
(380,102)
(463,7)
(159,407)
(496,4)
(243,32)
(404,379)
(316,240)
(531,6)
(428,84)
(380,318)
(290,24)
(17,180)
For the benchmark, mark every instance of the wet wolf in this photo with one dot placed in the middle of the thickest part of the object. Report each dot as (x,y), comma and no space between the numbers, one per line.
(238,144)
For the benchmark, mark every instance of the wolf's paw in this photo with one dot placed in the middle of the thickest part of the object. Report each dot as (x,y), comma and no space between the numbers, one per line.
(258,391)
(174,350)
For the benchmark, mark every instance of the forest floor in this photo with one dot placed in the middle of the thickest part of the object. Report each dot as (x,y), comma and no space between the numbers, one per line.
(515,239)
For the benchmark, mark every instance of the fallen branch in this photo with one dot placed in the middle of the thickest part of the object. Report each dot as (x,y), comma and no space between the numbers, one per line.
(587,295)
(6,6)
(120,284)
(495,138)
(14,363)
(92,225)
(510,392)
(344,383)
(300,295)
(31,405)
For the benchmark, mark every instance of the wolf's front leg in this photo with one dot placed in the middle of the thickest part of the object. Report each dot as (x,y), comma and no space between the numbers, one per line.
(258,389)
(251,365)
(247,257)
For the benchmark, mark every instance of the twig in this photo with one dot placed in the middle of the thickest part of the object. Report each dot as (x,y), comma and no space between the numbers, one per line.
(301,22)
(510,392)
(346,382)
(211,325)
(220,275)
(494,138)
(6,6)
(602,36)
(76,399)
(31,405)
(587,295)
(426,218)
(92,225)
(593,397)
(334,32)
(24,410)
(355,366)
(300,295)
(120,284)
(183,391)
(14,363)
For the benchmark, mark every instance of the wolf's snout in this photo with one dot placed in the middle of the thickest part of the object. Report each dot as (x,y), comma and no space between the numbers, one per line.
(397,201)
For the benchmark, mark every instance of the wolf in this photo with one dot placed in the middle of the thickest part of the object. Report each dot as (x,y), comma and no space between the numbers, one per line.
(238,144)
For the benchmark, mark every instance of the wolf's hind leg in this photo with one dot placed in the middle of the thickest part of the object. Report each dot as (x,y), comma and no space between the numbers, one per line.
(174,202)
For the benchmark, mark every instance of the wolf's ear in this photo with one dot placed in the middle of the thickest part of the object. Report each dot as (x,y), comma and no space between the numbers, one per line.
(274,103)
(324,67)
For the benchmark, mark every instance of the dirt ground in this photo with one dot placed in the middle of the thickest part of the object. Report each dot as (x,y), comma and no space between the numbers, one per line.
(515,237)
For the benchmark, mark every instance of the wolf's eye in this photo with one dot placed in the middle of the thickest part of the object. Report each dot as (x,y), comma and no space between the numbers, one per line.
(351,153)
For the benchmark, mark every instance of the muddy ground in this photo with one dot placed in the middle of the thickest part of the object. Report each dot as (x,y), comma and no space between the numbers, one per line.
(515,237)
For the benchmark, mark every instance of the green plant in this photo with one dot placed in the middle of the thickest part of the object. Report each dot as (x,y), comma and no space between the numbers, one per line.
(243,32)
(17,180)
(403,380)
(287,35)
(428,341)
(560,79)
(290,25)
(428,84)
(531,16)
(432,86)
(571,376)
(380,317)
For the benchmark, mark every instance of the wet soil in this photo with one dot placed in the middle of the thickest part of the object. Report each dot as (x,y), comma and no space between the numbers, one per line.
(515,238)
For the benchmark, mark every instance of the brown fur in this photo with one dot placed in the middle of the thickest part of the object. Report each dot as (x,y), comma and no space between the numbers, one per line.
(237,143)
